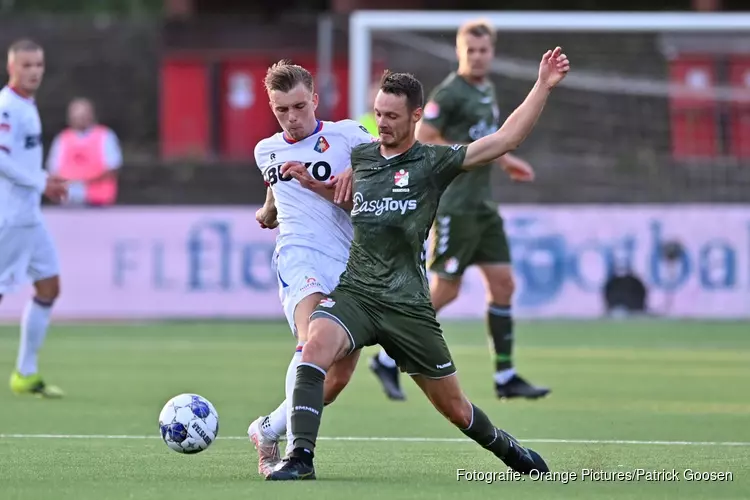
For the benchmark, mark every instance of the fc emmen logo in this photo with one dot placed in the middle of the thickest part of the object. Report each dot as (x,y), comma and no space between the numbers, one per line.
(401,178)
(322,145)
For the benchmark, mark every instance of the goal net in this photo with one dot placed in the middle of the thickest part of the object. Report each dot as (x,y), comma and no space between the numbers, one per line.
(656,108)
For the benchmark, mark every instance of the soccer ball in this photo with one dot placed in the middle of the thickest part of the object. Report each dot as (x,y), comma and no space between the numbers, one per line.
(188,423)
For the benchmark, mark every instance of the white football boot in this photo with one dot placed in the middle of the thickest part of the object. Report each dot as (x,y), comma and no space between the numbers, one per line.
(268,448)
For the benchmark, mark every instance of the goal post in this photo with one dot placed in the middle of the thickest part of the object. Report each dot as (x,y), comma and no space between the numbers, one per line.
(656,108)
(363,23)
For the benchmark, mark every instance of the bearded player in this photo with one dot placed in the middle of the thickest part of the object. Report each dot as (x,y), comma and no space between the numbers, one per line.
(26,248)
(315,229)
(383,295)
(468,229)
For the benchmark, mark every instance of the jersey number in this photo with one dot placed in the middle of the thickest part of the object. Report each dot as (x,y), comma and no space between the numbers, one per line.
(320,170)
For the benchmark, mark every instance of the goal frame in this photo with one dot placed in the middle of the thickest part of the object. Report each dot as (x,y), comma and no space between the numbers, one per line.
(363,22)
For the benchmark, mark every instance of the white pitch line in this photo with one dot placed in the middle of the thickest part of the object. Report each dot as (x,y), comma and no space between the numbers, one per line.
(401,439)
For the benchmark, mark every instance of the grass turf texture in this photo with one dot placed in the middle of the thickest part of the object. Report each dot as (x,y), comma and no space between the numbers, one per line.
(658,384)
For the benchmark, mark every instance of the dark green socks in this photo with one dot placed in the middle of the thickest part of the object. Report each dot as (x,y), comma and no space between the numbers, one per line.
(307,405)
(500,324)
(486,434)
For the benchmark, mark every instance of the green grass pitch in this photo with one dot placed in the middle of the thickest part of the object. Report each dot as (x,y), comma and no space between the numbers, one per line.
(649,395)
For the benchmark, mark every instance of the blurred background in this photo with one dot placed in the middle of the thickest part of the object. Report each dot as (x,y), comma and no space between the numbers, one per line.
(642,198)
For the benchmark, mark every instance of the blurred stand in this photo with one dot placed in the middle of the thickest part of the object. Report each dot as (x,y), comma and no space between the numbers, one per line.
(181,83)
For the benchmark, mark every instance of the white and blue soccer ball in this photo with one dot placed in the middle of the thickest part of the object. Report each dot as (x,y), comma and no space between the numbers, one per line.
(188,423)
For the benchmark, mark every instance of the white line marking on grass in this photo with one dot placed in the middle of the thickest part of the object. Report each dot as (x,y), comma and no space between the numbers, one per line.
(401,439)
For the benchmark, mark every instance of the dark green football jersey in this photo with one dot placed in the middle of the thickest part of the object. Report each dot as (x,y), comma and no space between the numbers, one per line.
(463,113)
(395,201)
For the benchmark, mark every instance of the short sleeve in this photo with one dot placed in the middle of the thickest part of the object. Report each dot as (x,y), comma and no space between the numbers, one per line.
(439,108)
(447,163)
(357,134)
(261,154)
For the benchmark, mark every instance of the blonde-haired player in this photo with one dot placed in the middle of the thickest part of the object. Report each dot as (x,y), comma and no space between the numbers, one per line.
(26,248)
(315,233)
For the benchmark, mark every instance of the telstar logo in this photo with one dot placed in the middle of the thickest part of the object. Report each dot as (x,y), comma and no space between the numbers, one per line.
(322,145)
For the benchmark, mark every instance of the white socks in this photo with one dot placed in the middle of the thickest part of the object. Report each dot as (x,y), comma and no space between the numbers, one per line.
(386,360)
(280,419)
(276,423)
(291,377)
(503,376)
(34,326)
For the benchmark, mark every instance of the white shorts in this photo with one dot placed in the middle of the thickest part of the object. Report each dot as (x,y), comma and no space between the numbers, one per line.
(26,252)
(302,271)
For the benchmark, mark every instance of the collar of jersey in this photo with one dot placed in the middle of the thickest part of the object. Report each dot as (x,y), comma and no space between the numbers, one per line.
(411,154)
(483,90)
(289,140)
(20,94)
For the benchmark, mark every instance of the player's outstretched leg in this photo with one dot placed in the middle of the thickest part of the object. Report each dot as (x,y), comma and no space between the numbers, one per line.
(266,431)
(500,286)
(328,342)
(448,398)
(385,369)
(34,325)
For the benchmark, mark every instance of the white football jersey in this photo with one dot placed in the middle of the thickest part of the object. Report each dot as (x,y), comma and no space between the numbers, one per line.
(305,218)
(22,178)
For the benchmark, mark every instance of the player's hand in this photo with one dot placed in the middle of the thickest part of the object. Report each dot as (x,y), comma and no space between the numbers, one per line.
(266,217)
(56,189)
(553,68)
(519,170)
(297,171)
(343,187)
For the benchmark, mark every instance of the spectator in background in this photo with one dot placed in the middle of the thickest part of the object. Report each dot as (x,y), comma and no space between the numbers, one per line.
(368,119)
(88,155)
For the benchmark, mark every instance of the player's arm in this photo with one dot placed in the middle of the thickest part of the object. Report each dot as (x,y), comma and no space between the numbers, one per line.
(18,175)
(427,134)
(517,168)
(437,113)
(552,70)
(9,168)
(337,190)
(343,184)
(270,203)
(266,215)
(326,190)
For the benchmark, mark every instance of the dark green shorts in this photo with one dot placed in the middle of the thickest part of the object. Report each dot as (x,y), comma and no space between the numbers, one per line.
(409,333)
(458,241)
